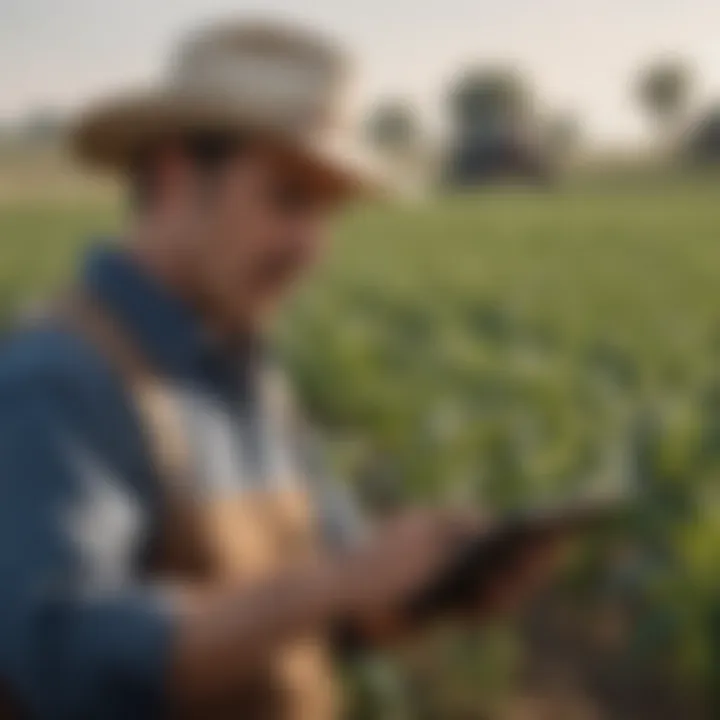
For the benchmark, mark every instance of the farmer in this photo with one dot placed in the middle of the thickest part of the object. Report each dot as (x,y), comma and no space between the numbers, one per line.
(166,546)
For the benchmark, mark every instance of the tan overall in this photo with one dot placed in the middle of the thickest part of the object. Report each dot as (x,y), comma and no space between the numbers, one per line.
(235,541)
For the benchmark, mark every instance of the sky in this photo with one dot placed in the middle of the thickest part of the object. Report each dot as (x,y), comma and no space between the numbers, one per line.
(581,54)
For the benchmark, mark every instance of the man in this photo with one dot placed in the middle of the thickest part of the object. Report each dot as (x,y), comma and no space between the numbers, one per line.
(164,549)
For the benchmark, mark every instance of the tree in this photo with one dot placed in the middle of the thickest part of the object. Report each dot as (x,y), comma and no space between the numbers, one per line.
(495,128)
(41,124)
(562,135)
(393,126)
(491,100)
(664,90)
(703,141)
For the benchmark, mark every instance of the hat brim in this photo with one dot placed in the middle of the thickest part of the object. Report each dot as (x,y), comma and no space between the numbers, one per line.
(112,134)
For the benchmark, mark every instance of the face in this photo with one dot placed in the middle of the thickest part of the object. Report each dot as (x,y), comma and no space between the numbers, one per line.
(257,225)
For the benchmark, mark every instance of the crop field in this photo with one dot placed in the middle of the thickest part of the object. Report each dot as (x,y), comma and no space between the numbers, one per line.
(501,347)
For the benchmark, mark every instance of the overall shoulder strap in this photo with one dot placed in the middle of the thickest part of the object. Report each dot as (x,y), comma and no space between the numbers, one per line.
(154,401)
(161,422)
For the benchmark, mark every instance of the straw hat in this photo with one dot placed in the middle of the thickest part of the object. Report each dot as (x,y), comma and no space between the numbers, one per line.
(283,82)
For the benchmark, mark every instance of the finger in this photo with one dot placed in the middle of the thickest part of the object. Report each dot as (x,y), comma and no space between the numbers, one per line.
(461,526)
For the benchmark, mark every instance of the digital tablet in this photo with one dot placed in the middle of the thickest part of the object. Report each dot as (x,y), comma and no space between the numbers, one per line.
(482,562)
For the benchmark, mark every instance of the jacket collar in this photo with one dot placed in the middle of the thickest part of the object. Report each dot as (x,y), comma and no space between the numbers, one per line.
(165,328)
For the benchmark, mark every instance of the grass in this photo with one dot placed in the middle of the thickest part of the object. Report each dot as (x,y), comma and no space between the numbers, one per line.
(428,319)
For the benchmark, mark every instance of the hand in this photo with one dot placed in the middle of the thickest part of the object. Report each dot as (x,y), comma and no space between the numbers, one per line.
(378,579)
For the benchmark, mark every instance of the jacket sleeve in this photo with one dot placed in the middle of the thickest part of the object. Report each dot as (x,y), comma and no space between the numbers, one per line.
(81,636)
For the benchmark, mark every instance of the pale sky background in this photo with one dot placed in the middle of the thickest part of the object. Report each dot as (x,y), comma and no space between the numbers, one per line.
(582,54)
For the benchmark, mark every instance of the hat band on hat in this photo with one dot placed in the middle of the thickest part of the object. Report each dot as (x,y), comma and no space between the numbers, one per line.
(285,93)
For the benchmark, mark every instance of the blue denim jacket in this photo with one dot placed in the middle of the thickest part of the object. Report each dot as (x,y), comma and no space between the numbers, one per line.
(82,634)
